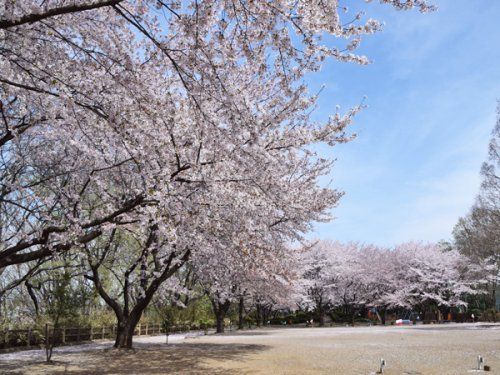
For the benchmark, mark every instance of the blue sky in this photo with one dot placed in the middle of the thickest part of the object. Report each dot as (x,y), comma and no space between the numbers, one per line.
(432,93)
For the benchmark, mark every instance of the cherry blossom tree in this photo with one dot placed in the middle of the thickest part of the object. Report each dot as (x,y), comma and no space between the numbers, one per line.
(381,265)
(275,290)
(222,278)
(359,277)
(261,274)
(137,134)
(340,275)
(426,276)
(151,87)
(319,279)
(129,269)
(412,275)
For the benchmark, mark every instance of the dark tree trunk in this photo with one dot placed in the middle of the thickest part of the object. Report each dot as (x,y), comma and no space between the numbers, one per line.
(125,330)
(241,308)
(220,323)
(259,315)
(220,311)
(321,318)
(384,316)
(124,335)
(266,311)
(320,312)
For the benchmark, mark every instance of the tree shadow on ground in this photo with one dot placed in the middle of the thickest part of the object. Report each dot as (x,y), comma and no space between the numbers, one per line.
(184,358)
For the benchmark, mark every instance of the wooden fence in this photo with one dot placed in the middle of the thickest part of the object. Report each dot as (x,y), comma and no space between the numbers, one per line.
(33,337)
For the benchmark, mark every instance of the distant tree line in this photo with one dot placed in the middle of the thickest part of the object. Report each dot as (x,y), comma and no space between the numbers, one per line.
(477,234)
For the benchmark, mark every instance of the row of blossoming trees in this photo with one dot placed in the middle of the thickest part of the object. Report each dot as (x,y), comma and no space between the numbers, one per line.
(139,139)
(411,276)
(351,277)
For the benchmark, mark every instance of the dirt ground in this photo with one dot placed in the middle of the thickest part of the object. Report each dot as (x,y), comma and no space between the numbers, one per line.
(435,349)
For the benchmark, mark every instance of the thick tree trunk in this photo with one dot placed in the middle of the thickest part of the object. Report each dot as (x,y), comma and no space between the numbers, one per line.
(265,316)
(125,330)
(128,318)
(439,315)
(241,307)
(124,334)
(320,311)
(220,310)
(384,316)
(321,316)
(322,319)
(220,322)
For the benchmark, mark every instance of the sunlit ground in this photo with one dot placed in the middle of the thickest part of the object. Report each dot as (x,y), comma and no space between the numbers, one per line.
(432,349)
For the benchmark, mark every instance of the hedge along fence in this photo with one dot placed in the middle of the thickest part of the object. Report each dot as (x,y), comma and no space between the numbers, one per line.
(34,337)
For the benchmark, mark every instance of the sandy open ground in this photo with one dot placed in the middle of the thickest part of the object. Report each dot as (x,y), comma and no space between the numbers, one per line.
(436,349)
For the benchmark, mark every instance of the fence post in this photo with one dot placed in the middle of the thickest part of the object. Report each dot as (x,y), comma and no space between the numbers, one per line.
(103,331)
(91,334)
(28,340)
(63,335)
(147,324)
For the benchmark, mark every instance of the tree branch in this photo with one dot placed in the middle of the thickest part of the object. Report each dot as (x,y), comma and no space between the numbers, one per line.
(36,17)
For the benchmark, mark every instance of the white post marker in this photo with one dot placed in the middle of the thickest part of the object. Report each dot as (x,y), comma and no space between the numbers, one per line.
(480,363)
(382,365)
